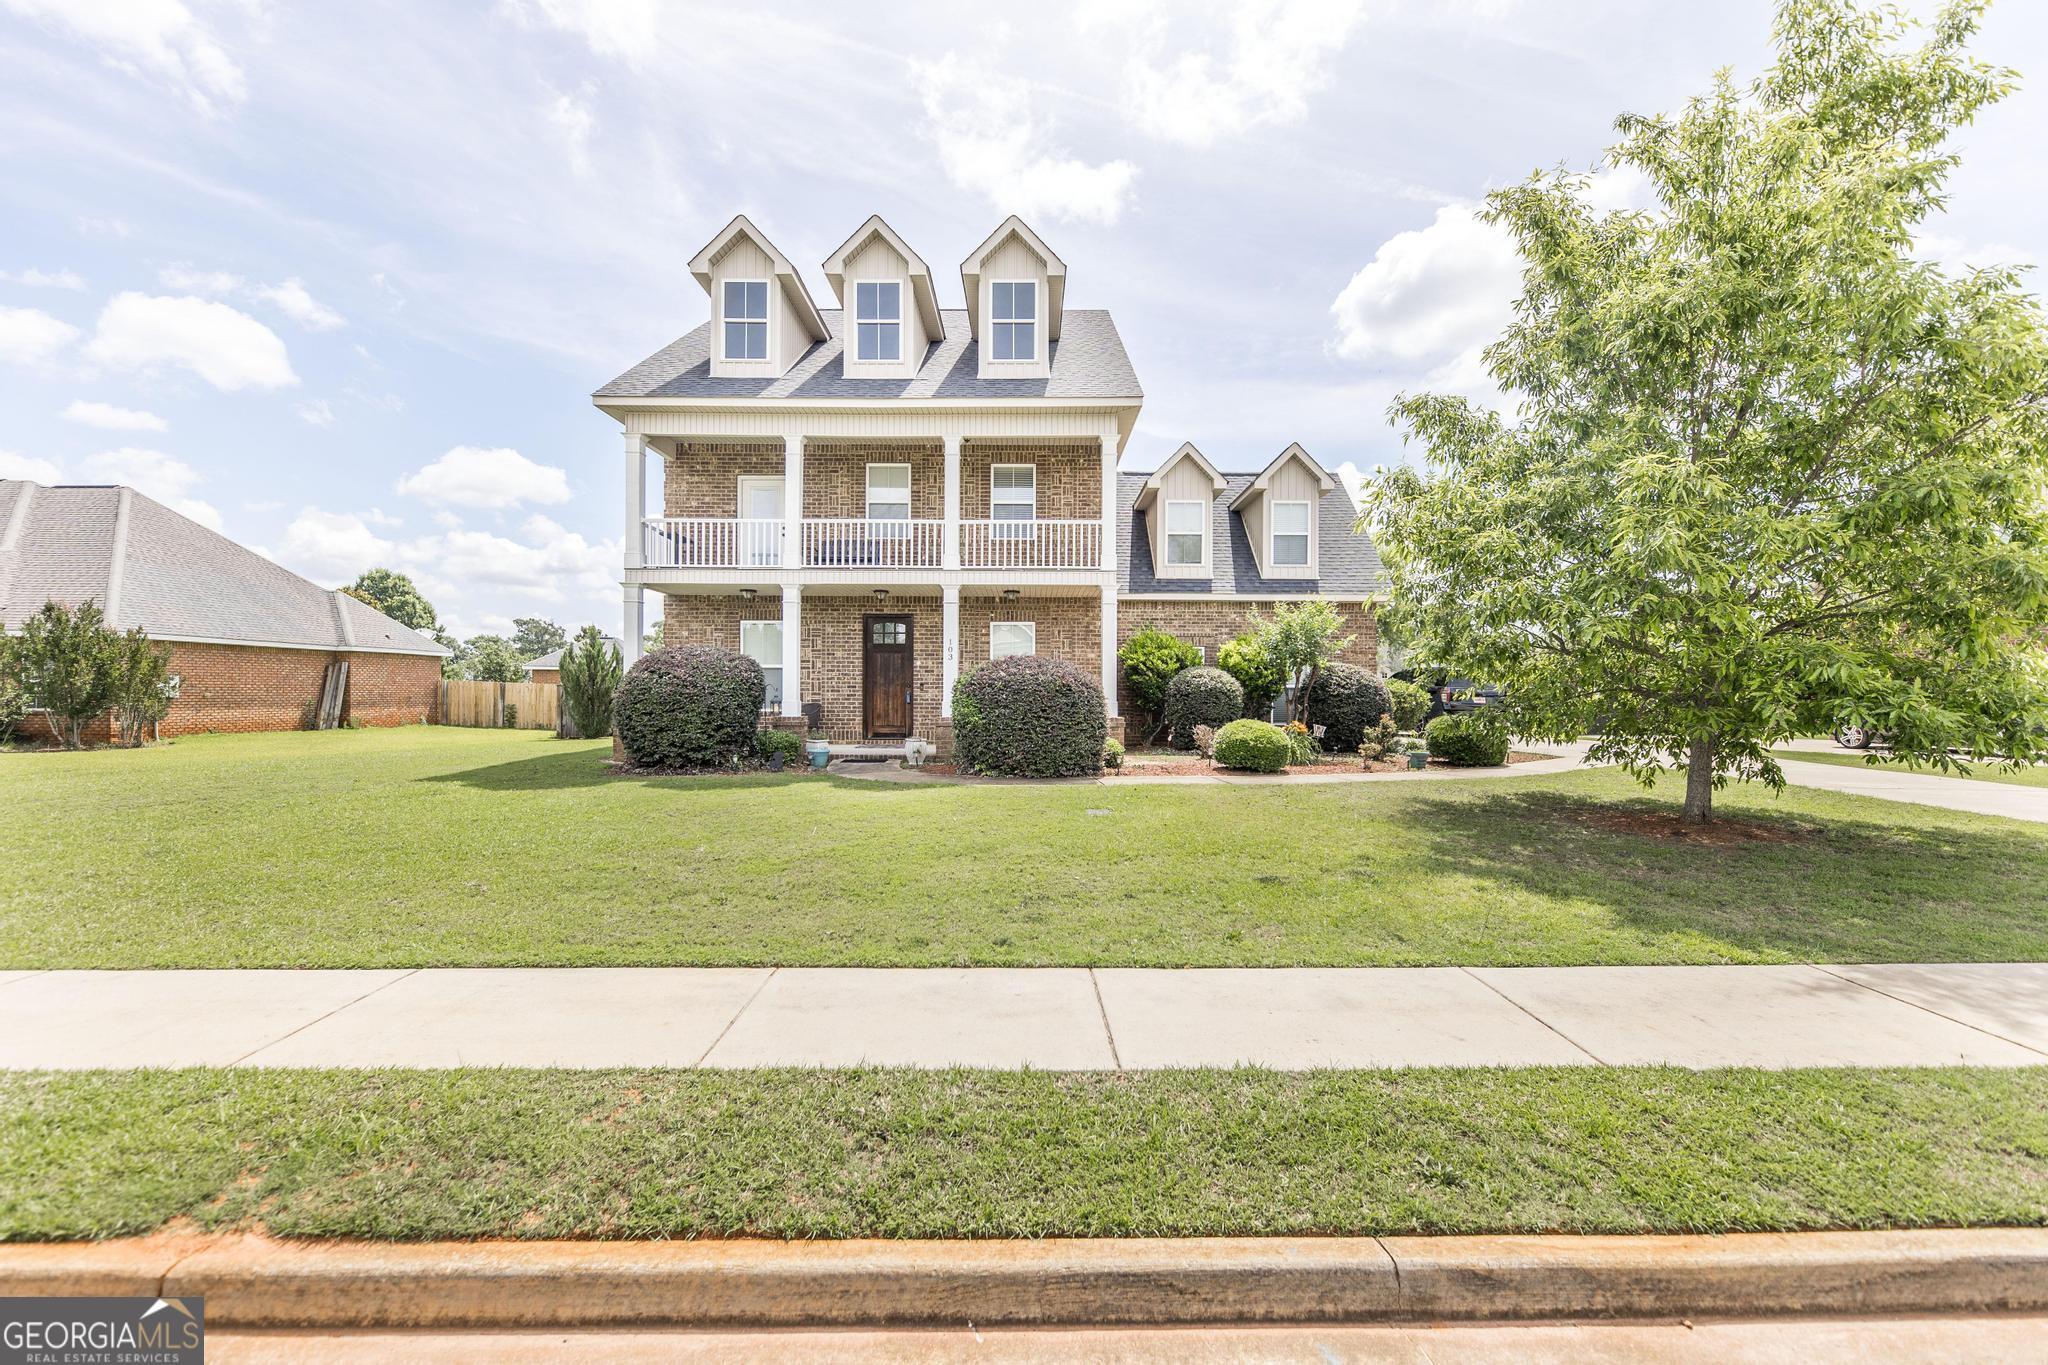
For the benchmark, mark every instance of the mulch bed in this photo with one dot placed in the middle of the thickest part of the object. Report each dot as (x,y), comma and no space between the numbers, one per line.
(1664,825)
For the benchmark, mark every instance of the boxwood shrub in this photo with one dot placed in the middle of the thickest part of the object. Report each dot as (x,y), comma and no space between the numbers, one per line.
(788,743)
(1150,660)
(1201,696)
(1346,701)
(1253,746)
(690,707)
(1029,716)
(1467,739)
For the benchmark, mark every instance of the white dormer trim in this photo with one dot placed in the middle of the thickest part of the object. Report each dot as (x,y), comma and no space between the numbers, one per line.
(1050,307)
(786,276)
(922,291)
(1255,506)
(1325,481)
(1187,451)
(1184,476)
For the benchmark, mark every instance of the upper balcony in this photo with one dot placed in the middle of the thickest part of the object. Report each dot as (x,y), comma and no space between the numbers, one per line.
(862,543)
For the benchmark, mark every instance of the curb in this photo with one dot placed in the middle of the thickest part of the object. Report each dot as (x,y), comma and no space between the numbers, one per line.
(252,1281)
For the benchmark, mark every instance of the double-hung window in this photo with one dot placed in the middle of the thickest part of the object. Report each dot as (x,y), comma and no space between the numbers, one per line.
(1013,500)
(1013,319)
(761,641)
(1187,531)
(1290,535)
(889,501)
(878,320)
(1006,638)
(746,319)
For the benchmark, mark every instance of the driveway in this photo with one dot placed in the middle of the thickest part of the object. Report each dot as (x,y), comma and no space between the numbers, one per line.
(1927,789)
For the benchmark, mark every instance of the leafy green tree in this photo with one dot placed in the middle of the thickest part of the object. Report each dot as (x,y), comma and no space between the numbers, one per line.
(533,637)
(491,658)
(651,641)
(396,596)
(591,668)
(1298,639)
(66,663)
(1255,671)
(141,688)
(1151,658)
(1771,473)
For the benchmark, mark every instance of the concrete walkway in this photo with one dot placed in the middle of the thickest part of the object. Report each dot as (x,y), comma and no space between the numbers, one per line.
(1927,789)
(1051,1018)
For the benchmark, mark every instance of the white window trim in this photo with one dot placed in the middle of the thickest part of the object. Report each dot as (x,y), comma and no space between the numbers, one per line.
(992,487)
(896,322)
(1166,533)
(767,321)
(1030,630)
(868,488)
(1305,569)
(767,705)
(1037,321)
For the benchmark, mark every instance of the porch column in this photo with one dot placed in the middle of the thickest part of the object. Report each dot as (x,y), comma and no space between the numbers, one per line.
(949,630)
(1109,664)
(949,557)
(792,649)
(632,626)
(633,617)
(792,517)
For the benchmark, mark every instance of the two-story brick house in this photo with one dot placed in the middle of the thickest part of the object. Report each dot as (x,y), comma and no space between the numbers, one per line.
(873,499)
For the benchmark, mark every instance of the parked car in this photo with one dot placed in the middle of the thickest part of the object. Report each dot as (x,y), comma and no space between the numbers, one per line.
(1856,737)
(1449,695)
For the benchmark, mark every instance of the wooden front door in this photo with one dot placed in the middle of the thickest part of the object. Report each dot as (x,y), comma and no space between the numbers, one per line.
(885,670)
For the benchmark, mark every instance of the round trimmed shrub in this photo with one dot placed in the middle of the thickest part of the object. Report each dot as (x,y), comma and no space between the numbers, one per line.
(1411,704)
(1201,696)
(1029,716)
(1465,740)
(689,707)
(1246,660)
(1346,701)
(1252,746)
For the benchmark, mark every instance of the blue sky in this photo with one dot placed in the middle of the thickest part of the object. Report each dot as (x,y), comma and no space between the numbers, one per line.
(339,279)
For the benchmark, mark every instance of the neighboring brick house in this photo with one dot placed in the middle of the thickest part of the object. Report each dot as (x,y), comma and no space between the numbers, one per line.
(250,641)
(872,500)
(548,667)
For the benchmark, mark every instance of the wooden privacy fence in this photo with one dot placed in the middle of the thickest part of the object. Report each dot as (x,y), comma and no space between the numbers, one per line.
(537,706)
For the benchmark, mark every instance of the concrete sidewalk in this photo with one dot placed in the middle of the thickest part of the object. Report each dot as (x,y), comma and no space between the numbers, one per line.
(1049,1018)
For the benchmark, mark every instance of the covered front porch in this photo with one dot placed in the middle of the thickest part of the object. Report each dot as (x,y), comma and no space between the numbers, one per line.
(878,662)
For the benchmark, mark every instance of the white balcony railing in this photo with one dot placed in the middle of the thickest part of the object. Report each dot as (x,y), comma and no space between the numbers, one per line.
(1030,544)
(711,543)
(857,543)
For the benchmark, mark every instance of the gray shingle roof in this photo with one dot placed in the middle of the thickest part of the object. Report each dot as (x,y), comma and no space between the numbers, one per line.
(553,658)
(176,579)
(1088,361)
(1346,558)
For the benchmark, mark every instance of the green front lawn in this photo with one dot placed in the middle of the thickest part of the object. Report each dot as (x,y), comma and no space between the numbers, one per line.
(2036,776)
(421,1154)
(428,846)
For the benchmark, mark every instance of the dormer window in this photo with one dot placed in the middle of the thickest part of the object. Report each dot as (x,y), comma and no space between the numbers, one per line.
(746,319)
(1290,535)
(1013,319)
(1187,531)
(878,318)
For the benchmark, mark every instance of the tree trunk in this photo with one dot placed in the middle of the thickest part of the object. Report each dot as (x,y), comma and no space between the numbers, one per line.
(1699,783)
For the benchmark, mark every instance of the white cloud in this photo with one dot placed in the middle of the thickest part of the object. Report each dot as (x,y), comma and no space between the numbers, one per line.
(621,29)
(301,307)
(573,122)
(156,38)
(44,279)
(1430,294)
(991,142)
(111,418)
(1261,68)
(189,279)
(157,475)
(18,466)
(106,226)
(1960,253)
(227,348)
(334,546)
(471,476)
(29,335)
(318,413)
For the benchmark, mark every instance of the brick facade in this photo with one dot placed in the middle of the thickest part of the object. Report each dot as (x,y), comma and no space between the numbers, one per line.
(545,675)
(1211,625)
(237,689)
(1068,627)
(1069,478)
(702,478)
